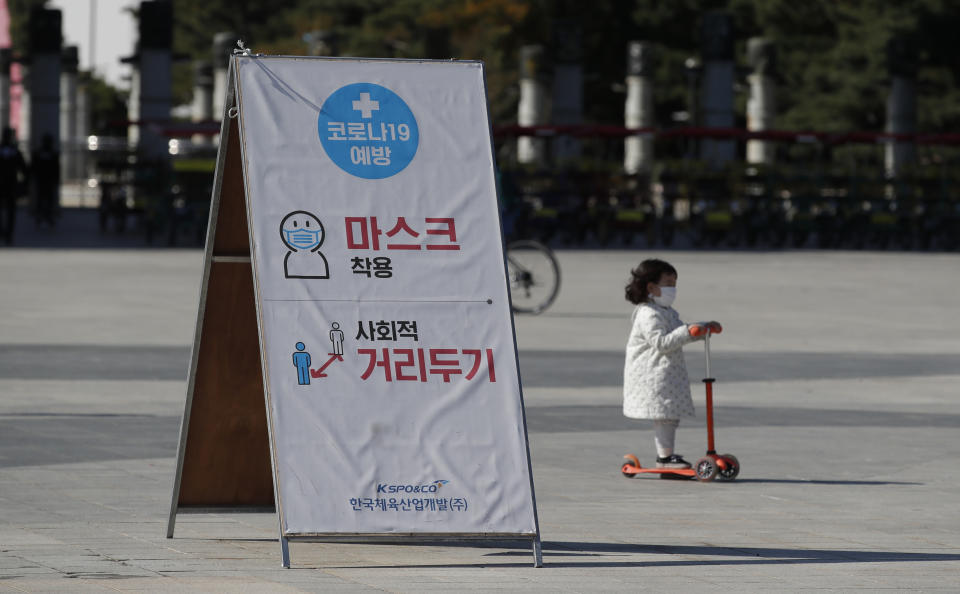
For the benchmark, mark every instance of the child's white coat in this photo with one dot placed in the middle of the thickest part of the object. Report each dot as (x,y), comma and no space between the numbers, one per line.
(655,381)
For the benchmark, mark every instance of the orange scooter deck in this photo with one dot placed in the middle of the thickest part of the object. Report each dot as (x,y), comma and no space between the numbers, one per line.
(633,467)
(725,467)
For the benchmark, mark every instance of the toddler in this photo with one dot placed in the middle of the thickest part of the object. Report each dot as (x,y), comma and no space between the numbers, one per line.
(655,382)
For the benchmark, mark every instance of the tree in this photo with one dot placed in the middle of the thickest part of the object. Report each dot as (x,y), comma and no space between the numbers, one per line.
(832,55)
(19,22)
(108,106)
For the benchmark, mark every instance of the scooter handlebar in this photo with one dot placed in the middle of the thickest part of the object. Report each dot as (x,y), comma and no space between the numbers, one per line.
(703,328)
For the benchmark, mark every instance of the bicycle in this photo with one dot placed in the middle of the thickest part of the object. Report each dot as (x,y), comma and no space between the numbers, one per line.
(534,276)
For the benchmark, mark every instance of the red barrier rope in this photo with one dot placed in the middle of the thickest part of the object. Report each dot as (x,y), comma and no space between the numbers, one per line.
(825,138)
(210,128)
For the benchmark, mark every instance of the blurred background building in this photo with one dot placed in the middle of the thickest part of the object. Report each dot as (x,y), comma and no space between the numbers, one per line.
(751,123)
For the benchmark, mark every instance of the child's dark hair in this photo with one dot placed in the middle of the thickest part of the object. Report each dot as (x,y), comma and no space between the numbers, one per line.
(649,271)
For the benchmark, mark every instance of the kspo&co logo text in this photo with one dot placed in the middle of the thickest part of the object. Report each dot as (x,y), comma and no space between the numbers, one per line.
(425,498)
(427,488)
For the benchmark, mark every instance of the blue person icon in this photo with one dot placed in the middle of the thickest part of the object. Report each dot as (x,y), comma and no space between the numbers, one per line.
(301,360)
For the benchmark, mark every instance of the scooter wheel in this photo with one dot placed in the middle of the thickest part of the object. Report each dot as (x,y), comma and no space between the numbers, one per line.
(623,469)
(706,469)
(732,470)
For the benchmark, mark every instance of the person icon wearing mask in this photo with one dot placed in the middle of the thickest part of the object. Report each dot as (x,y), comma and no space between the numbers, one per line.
(302,233)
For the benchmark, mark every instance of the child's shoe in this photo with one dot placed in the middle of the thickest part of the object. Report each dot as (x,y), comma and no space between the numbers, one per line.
(672,461)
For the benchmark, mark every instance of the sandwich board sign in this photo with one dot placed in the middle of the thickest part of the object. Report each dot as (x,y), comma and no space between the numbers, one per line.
(354,361)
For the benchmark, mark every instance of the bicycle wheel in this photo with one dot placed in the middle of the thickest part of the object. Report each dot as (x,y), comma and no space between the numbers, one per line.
(534,276)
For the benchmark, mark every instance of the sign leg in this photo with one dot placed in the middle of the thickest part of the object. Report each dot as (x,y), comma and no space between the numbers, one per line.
(284,553)
(171,521)
(537,553)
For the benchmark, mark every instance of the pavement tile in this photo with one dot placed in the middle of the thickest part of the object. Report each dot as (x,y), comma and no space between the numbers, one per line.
(838,490)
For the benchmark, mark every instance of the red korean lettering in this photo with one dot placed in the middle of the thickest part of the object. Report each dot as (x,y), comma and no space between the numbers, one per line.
(369,239)
(444,367)
(402,226)
(423,365)
(399,365)
(373,363)
(447,230)
(478,360)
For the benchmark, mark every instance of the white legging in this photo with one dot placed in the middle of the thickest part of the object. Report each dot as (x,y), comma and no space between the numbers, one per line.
(664,433)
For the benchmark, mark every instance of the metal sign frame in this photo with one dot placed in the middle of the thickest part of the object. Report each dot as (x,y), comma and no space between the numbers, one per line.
(222,250)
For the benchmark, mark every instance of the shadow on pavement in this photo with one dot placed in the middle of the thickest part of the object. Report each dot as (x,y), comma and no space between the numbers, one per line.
(581,369)
(824,482)
(80,228)
(566,554)
(578,418)
(732,555)
(596,554)
(786,481)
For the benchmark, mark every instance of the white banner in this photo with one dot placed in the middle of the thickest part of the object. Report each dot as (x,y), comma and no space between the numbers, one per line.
(394,395)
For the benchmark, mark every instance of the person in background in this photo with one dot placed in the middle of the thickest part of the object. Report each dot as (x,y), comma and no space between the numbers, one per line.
(13,179)
(45,165)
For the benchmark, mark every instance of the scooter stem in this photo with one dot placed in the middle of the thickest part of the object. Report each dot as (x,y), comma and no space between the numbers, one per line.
(706,344)
(708,381)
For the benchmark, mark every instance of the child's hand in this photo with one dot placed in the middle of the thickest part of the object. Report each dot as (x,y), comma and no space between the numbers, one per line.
(715,327)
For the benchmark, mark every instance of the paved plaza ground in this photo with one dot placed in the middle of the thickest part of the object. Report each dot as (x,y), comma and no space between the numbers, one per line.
(836,388)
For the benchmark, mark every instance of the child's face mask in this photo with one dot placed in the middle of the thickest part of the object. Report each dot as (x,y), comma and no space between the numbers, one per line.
(666,297)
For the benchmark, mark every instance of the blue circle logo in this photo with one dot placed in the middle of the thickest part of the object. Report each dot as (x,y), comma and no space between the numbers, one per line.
(368,131)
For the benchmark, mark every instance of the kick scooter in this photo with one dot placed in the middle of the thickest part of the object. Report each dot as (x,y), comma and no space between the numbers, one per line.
(725,467)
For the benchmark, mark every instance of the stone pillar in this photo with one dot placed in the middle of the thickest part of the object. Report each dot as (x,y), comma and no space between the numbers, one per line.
(901,103)
(6,60)
(567,104)
(83,131)
(223,46)
(761,106)
(202,107)
(638,111)
(45,46)
(69,144)
(133,101)
(155,79)
(716,98)
(23,123)
(692,69)
(534,106)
